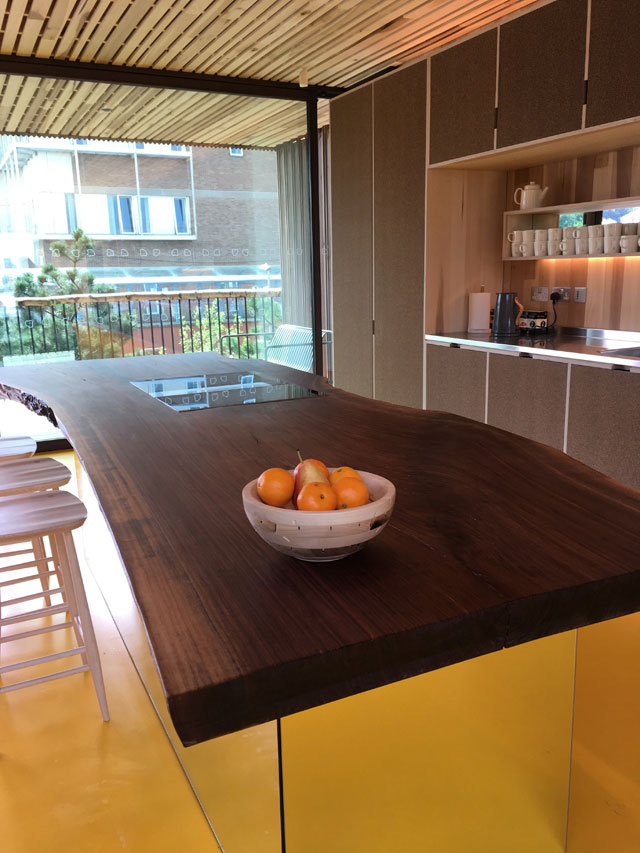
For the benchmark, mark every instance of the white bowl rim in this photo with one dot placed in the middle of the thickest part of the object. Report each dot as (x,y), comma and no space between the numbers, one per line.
(250,496)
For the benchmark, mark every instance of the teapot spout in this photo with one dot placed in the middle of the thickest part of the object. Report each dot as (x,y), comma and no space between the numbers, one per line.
(543,193)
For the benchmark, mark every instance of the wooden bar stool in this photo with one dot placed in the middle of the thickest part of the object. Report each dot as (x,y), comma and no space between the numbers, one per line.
(17,447)
(34,474)
(51,514)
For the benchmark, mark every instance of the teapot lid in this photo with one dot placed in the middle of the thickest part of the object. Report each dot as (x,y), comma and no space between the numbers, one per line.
(532,185)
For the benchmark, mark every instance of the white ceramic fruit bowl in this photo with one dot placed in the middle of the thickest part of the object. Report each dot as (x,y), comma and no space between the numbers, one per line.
(318,537)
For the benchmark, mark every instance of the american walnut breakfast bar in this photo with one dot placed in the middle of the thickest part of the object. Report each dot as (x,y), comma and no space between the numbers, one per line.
(495,541)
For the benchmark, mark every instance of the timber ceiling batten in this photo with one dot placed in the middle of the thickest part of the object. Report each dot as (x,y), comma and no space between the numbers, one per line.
(338,43)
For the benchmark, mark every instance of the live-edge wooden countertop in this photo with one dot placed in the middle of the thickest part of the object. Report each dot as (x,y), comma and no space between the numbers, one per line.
(495,540)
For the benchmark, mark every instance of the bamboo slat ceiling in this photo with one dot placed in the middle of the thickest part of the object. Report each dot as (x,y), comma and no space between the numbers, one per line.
(331,42)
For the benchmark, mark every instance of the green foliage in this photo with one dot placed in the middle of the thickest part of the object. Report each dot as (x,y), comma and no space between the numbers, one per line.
(217,327)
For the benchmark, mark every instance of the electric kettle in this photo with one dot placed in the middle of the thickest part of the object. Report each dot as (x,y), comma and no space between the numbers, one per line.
(531,196)
(506,317)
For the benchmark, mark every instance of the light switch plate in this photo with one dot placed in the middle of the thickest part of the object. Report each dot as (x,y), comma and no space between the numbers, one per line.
(579,294)
(539,294)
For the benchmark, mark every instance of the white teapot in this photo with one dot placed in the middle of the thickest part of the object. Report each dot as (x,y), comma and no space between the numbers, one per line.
(531,196)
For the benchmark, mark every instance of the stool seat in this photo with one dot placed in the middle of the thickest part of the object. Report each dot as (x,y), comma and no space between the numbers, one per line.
(40,514)
(17,447)
(35,474)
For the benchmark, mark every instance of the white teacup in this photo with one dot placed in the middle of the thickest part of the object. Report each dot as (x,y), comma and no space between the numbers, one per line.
(582,245)
(541,234)
(529,236)
(596,244)
(629,228)
(514,236)
(612,229)
(553,246)
(581,233)
(595,231)
(527,250)
(515,250)
(611,244)
(540,248)
(568,230)
(629,243)
(568,246)
(555,233)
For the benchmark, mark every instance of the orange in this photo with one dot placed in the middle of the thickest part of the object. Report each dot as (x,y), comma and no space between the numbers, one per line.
(275,486)
(316,496)
(345,471)
(350,492)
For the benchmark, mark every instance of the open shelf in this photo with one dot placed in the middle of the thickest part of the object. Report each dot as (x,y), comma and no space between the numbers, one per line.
(573,257)
(578,207)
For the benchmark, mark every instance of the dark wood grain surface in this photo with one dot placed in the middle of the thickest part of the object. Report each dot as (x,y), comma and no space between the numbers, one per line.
(495,540)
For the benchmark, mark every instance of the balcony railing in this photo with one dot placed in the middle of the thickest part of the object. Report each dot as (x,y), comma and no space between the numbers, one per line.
(237,323)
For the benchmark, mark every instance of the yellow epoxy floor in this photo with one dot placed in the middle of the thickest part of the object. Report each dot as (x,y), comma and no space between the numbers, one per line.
(69,782)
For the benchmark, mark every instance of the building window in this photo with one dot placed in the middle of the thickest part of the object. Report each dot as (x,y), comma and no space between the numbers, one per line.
(140,145)
(145,221)
(72,219)
(125,209)
(236,152)
(181,211)
(177,147)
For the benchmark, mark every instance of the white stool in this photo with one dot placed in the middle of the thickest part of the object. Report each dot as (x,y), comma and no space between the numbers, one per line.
(53,514)
(17,447)
(34,474)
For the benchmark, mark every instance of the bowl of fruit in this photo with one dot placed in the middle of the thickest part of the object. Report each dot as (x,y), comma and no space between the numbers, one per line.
(315,513)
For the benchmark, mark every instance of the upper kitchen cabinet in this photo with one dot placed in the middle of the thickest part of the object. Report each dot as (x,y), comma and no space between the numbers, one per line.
(463,94)
(614,85)
(541,72)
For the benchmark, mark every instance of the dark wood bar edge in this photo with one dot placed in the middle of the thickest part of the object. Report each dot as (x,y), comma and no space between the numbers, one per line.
(495,540)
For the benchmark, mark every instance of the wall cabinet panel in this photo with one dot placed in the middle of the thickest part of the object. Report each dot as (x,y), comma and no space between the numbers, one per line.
(614,85)
(456,381)
(399,133)
(528,396)
(352,240)
(541,72)
(462,115)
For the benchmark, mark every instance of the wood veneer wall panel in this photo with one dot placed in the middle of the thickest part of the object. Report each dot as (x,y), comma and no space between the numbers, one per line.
(528,396)
(456,381)
(614,92)
(613,284)
(462,115)
(606,436)
(464,243)
(399,121)
(352,240)
(541,73)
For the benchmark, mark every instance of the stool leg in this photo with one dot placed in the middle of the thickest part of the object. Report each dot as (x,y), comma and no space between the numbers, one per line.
(67,553)
(39,553)
(62,570)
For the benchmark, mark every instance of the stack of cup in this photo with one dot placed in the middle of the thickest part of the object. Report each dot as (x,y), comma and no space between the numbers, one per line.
(555,238)
(596,239)
(629,239)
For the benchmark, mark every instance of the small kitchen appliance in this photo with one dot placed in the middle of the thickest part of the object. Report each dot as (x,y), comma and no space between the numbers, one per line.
(506,317)
(533,322)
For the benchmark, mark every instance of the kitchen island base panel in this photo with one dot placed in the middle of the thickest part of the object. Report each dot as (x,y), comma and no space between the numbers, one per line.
(474,757)
(604,809)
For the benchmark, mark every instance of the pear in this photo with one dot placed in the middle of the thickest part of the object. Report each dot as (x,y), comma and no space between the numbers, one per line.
(307,471)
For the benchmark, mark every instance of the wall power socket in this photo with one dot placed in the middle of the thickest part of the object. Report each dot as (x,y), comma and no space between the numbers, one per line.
(565,293)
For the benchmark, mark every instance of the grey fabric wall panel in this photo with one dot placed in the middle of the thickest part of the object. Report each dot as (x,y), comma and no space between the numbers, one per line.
(614,86)
(399,121)
(456,381)
(541,72)
(462,113)
(528,396)
(604,421)
(352,240)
